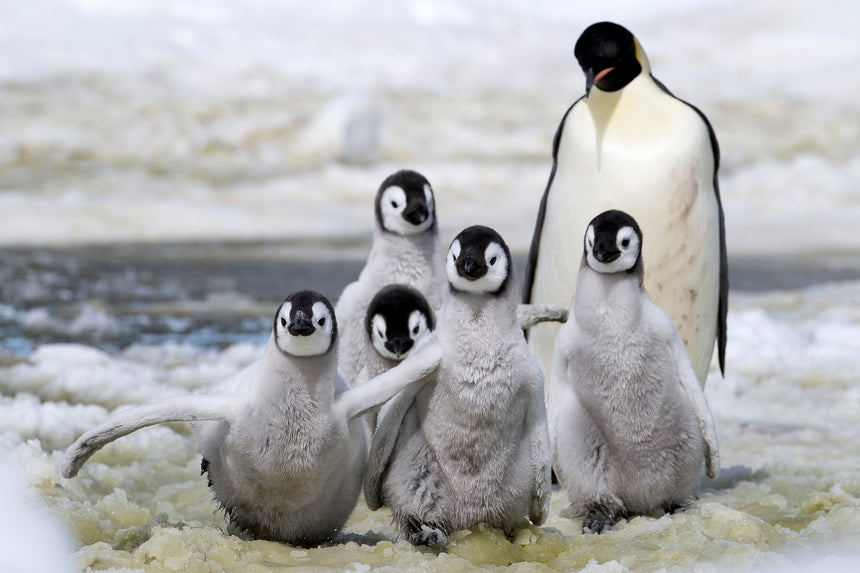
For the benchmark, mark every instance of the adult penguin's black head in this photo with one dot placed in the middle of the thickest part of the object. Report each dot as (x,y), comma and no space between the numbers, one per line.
(608,54)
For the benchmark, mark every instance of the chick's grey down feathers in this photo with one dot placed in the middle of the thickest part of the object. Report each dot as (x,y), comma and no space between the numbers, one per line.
(470,443)
(629,422)
(282,441)
(414,259)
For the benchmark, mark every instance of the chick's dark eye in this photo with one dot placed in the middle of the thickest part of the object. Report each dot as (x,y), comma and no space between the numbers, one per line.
(394,204)
(625,243)
(321,321)
(415,330)
(283,321)
(493,261)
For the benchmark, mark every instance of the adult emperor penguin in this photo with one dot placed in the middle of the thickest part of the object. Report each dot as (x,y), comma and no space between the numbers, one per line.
(629,144)
(629,422)
(282,440)
(405,250)
(471,443)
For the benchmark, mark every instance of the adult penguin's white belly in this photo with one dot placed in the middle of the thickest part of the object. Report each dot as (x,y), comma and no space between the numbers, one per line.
(645,152)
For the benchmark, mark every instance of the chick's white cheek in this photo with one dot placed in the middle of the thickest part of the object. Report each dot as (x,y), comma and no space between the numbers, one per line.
(628,243)
(284,318)
(417,325)
(451,261)
(391,205)
(454,251)
(593,263)
(589,238)
(322,317)
(282,321)
(497,264)
(625,238)
(393,200)
(379,326)
(428,197)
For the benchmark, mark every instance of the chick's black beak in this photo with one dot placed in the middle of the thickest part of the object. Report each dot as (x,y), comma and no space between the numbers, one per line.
(471,269)
(301,325)
(605,253)
(416,214)
(399,346)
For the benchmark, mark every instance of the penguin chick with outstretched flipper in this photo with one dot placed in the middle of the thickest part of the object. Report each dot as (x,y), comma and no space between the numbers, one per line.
(471,444)
(282,441)
(629,423)
(630,144)
(405,250)
(398,318)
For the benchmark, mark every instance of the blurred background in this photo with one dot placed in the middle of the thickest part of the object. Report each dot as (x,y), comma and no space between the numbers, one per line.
(194,120)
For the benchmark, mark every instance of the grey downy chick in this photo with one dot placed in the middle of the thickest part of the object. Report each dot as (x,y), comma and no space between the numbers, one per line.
(629,422)
(282,441)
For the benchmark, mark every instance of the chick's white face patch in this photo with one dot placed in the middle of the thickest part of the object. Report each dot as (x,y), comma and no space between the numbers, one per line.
(379,336)
(391,206)
(392,203)
(418,327)
(626,241)
(451,263)
(428,198)
(497,270)
(318,342)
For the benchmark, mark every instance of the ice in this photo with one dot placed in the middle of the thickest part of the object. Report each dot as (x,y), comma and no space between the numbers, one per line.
(54,424)
(787,416)
(89,320)
(30,538)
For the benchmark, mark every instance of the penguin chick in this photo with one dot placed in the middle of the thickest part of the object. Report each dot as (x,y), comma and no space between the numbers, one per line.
(282,440)
(405,250)
(630,144)
(629,423)
(398,319)
(471,443)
